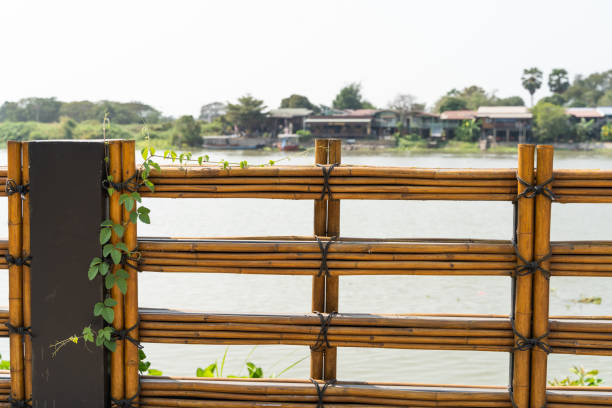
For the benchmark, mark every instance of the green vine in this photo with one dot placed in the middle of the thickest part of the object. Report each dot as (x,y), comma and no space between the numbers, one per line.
(117,254)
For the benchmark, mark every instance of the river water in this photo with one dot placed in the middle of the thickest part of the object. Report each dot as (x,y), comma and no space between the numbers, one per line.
(396,294)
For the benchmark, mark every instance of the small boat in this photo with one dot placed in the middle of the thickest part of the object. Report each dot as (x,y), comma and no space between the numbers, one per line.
(232,142)
(288,142)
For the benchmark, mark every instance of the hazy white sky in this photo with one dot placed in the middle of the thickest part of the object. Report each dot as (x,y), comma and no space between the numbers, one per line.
(177,55)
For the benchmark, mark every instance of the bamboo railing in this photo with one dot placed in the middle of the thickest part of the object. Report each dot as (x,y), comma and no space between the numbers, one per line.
(326,256)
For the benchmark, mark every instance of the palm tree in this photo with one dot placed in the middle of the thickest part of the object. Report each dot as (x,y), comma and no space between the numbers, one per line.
(532,80)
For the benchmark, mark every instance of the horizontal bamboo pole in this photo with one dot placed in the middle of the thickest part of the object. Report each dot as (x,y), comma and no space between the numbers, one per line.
(224,245)
(333,272)
(338,181)
(339,171)
(351,196)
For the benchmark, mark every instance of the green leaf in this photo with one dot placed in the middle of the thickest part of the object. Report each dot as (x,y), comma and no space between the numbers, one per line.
(104,268)
(106,249)
(99,339)
(92,272)
(111,191)
(119,230)
(155,166)
(154,372)
(98,308)
(207,372)
(166,153)
(95,261)
(122,285)
(150,185)
(108,314)
(110,302)
(116,255)
(122,273)
(206,157)
(105,235)
(144,153)
(225,165)
(109,281)
(107,223)
(133,217)
(272,162)
(141,354)
(111,345)
(144,210)
(200,160)
(88,334)
(145,218)
(152,151)
(122,246)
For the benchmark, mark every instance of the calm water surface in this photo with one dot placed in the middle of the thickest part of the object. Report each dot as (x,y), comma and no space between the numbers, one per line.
(409,294)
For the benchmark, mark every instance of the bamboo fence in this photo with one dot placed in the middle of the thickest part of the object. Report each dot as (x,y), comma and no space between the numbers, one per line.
(326,256)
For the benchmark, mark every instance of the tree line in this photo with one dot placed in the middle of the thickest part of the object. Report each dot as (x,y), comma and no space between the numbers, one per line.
(248,114)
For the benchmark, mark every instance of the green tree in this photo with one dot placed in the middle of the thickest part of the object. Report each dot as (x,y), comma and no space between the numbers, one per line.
(587,91)
(12,112)
(468,131)
(509,101)
(299,101)
(247,114)
(450,103)
(555,99)
(68,125)
(79,110)
(557,81)
(350,97)
(550,122)
(531,80)
(584,129)
(187,132)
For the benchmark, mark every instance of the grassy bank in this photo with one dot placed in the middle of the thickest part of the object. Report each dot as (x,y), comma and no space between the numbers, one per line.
(162,136)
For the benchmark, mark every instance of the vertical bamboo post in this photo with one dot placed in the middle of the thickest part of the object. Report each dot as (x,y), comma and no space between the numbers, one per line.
(540,283)
(15,271)
(27,304)
(522,307)
(132,379)
(117,365)
(332,282)
(318,283)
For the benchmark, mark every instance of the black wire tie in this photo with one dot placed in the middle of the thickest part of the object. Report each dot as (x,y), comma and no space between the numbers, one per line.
(533,190)
(11,260)
(321,390)
(323,269)
(124,334)
(322,340)
(326,173)
(130,186)
(19,403)
(531,267)
(13,188)
(523,343)
(22,331)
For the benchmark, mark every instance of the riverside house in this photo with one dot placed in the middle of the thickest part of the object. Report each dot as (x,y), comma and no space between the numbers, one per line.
(505,123)
(357,124)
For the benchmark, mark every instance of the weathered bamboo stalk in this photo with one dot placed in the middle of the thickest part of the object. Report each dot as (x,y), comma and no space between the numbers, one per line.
(131,296)
(117,383)
(541,283)
(27,287)
(522,309)
(318,282)
(15,271)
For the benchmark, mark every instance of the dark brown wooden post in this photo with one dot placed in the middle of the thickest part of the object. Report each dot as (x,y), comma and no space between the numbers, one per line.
(67,205)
